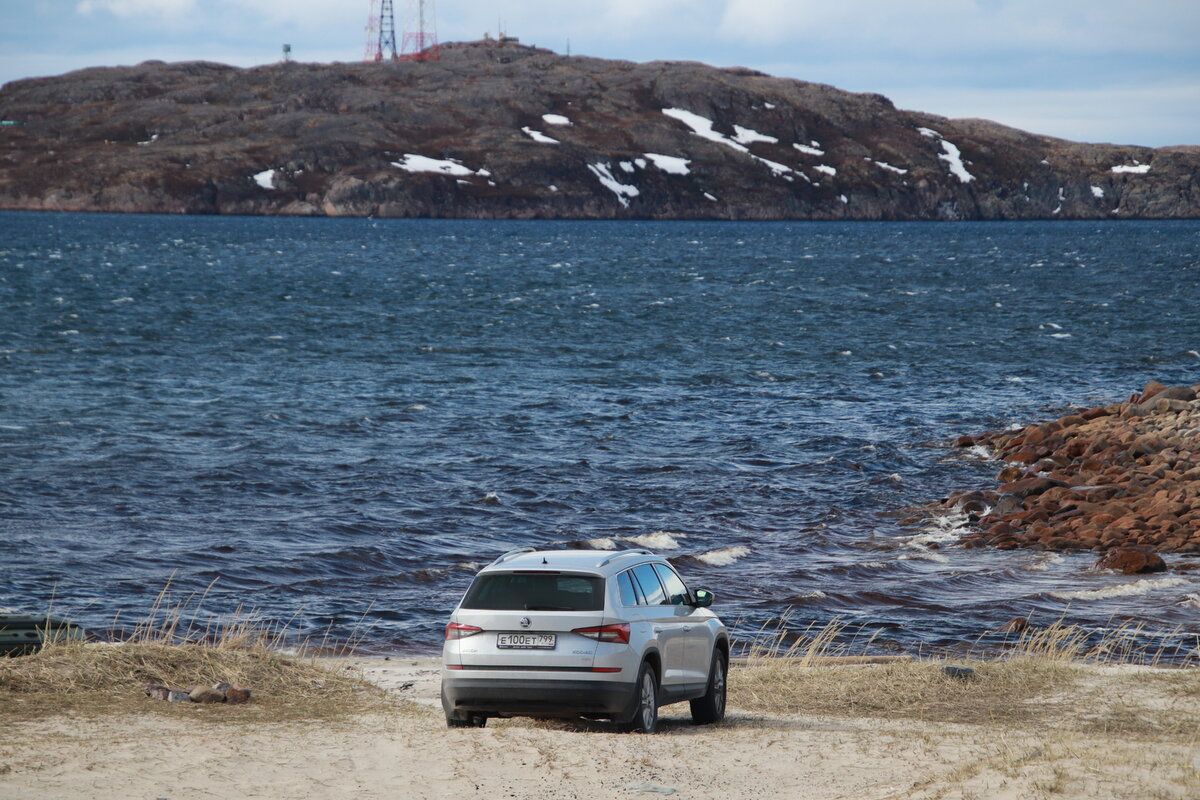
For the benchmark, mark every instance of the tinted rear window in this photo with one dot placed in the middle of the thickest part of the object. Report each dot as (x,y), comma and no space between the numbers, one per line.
(535,592)
(625,587)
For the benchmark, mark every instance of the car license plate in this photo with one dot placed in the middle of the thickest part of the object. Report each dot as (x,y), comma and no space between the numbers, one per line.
(526,641)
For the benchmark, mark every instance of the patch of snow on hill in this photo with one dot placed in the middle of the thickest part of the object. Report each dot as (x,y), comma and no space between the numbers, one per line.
(1097,192)
(828,170)
(448,166)
(953,157)
(748,136)
(812,150)
(603,172)
(1135,168)
(672,164)
(538,136)
(703,127)
(265,179)
(556,119)
(888,167)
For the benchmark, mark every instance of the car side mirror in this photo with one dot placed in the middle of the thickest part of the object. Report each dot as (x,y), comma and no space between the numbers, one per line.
(704,598)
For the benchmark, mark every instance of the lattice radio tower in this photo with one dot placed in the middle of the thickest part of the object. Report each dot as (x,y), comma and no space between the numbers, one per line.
(420,32)
(381,32)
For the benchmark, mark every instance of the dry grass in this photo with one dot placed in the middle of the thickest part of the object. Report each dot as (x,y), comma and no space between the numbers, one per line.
(1013,691)
(167,648)
(101,678)
(1041,684)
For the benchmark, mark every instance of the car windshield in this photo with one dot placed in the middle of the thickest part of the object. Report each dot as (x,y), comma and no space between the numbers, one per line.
(546,591)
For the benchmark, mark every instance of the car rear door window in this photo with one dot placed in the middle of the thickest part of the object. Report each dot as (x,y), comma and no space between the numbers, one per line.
(677,593)
(651,587)
(544,591)
(626,590)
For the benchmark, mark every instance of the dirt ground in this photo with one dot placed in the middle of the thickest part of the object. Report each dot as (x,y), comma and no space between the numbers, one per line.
(411,754)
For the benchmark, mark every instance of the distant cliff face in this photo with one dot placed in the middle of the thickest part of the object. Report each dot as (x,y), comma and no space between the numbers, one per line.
(506,131)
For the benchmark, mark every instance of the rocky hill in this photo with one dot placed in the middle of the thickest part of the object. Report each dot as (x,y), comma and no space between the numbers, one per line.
(499,130)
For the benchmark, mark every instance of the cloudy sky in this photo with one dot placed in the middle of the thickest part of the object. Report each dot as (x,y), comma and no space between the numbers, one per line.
(1125,71)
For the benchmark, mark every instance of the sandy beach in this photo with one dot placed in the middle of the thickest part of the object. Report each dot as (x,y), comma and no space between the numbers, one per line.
(407,752)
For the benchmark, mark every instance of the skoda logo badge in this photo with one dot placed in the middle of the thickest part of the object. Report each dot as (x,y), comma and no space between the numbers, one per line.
(525,623)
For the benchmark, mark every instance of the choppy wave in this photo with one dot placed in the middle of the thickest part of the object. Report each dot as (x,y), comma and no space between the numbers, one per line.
(724,556)
(1042,562)
(659,540)
(1133,589)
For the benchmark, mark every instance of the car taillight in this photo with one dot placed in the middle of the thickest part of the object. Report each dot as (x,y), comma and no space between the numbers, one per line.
(606,633)
(456,631)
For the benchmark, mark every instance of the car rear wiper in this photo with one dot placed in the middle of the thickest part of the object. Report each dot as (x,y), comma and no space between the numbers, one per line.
(547,608)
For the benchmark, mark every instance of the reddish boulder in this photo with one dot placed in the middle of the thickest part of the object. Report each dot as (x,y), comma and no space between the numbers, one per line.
(1024,456)
(1132,560)
(1152,388)
(1029,486)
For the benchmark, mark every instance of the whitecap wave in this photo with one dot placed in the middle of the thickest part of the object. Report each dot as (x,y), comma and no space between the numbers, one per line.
(724,556)
(815,594)
(1191,600)
(924,555)
(978,452)
(1042,563)
(603,543)
(1134,589)
(659,540)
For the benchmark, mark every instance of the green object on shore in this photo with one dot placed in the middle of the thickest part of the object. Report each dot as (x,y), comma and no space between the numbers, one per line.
(10,122)
(22,634)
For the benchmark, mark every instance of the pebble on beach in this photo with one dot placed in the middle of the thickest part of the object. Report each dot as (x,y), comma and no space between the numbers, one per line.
(1121,480)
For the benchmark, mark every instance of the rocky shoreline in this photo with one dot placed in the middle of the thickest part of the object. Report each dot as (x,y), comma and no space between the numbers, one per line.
(1121,480)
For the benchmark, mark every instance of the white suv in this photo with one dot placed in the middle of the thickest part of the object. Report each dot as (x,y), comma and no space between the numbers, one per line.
(597,634)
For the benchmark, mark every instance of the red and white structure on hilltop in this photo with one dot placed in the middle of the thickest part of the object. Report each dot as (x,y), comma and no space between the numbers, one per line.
(419,42)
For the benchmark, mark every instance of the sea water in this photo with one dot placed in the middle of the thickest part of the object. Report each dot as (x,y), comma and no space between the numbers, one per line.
(333,423)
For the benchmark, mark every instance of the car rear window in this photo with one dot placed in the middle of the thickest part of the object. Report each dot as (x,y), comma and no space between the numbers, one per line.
(515,591)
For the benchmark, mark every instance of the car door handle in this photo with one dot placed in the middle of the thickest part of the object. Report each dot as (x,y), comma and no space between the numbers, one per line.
(657,629)
(687,628)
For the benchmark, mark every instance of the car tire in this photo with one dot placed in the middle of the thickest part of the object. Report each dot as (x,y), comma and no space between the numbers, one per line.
(472,721)
(467,719)
(710,707)
(645,718)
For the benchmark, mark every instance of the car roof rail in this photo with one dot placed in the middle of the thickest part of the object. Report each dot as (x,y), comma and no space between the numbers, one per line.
(512,554)
(639,551)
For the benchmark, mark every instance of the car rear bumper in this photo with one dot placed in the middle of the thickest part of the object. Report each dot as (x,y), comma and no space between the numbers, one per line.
(533,697)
